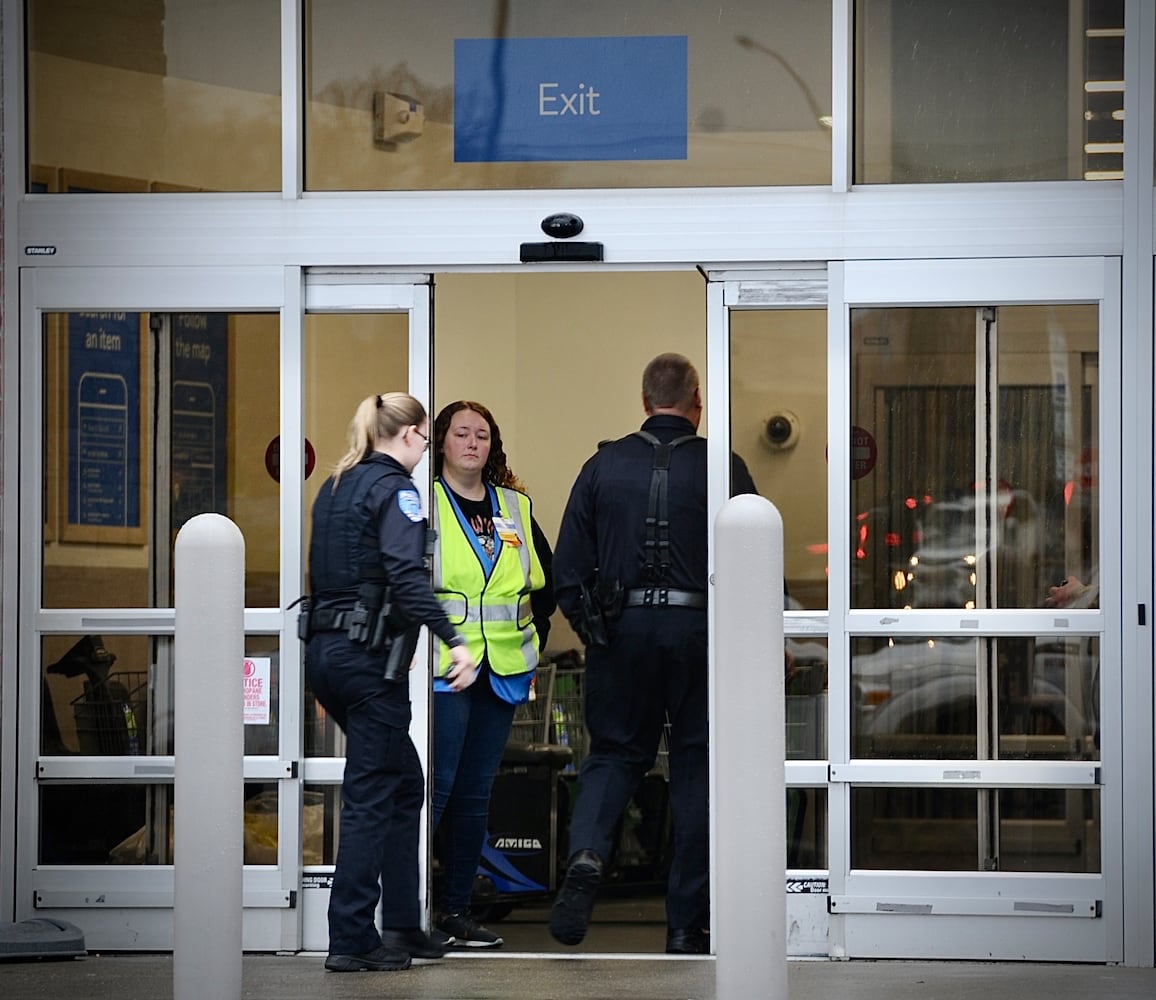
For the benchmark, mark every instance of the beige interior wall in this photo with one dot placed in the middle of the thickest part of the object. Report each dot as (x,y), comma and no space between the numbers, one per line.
(779,366)
(558,358)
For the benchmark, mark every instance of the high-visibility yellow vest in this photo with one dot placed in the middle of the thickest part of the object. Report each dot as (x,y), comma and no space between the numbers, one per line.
(492,613)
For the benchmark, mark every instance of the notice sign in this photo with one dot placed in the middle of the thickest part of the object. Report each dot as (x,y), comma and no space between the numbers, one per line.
(558,99)
(257,670)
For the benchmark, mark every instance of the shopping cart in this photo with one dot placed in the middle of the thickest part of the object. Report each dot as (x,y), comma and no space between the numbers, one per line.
(532,718)
(110,714)
(567,718)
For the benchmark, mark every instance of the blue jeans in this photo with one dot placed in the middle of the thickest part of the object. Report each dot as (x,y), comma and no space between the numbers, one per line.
(470,729)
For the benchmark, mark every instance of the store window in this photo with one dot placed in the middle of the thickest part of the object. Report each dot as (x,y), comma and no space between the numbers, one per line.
(974,492)
(150,419)
(154,96)
(988,91)
(437,94)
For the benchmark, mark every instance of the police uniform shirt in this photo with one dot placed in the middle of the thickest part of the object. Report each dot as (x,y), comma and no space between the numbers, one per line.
(394,507)
(604,525)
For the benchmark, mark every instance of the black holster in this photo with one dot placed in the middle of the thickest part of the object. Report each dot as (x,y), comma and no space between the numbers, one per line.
(305,620)
(601,602)
(363,618)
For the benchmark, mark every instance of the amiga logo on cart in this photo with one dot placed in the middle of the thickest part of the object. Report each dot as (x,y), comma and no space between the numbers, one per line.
(256,673)
(503,843)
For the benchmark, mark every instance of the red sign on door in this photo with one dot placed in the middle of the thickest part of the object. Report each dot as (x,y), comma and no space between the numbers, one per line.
(863,452)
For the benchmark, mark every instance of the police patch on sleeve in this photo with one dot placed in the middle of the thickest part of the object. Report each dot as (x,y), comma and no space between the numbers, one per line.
(410,504)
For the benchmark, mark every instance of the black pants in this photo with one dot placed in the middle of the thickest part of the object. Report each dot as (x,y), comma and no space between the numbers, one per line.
(654,666)
(382,794)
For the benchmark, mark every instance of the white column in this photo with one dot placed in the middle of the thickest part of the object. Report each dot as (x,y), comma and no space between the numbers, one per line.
(748,745)
(208,847)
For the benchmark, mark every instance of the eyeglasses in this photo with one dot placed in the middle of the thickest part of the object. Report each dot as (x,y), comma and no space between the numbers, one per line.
(424,437)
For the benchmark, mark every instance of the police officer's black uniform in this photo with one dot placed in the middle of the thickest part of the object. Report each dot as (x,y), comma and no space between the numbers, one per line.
(370,528)
(654,663)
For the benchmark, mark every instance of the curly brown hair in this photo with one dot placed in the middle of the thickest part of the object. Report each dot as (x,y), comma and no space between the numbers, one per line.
(496,471)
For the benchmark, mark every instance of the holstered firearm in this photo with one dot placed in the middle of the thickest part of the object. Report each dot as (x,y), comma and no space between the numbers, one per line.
(400,647)
(601,602)
(394,635)
(370,598)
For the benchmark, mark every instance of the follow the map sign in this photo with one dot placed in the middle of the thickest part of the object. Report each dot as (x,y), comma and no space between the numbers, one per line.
(559,99)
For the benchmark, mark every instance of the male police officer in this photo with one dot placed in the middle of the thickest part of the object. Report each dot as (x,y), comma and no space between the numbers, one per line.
(630,572)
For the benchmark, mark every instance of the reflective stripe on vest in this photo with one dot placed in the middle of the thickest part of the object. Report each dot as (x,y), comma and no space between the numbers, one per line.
(492,613)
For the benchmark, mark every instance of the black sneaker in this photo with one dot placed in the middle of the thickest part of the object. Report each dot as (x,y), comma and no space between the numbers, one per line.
(381,959)
(570,915)
(414,941)
(465,932)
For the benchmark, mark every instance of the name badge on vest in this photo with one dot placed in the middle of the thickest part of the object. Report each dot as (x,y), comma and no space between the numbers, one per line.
(506,531)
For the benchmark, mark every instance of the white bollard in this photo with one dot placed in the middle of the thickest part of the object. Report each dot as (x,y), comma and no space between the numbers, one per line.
(209,750)
(748,745)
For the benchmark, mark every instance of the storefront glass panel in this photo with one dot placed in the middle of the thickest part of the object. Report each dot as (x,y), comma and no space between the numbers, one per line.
(132,824)
(988,91)
(974,475)
(937,829)
(436,94)
(150,419)
(348,356)
(154,96)
(778,360)
(919,698)
(112,695)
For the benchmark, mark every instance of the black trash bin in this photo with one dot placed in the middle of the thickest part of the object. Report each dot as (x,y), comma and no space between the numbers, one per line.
(519,859)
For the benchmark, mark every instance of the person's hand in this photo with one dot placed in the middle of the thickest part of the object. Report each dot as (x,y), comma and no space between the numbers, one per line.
(1063,593)
(463,671)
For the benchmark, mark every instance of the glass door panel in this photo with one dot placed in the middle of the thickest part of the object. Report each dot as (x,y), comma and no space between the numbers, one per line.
(149,399)
(974,636)
(778,417)
(363,334)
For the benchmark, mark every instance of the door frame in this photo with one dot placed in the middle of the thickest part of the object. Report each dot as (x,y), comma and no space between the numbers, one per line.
(332,290)
(932,914)
(131,906)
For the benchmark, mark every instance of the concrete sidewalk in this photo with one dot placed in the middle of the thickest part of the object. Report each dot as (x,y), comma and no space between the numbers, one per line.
(550,977)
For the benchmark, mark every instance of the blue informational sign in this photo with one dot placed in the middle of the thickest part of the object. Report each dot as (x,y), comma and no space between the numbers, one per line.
(104,454)
(199,415)
(558,99)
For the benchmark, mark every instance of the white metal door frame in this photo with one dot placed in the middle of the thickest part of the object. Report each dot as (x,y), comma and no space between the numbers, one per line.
(918,914)
(129,906)
(370,291)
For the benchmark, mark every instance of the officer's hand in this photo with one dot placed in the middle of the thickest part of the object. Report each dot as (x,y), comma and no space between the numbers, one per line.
(463,671)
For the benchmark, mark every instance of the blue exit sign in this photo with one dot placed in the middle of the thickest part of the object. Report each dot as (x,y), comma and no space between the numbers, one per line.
(518,100)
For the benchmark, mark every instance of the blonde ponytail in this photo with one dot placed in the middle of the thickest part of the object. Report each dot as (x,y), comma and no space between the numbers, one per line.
(378,418)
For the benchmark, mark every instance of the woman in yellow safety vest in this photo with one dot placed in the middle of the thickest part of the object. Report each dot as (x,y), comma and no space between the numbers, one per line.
(491,571)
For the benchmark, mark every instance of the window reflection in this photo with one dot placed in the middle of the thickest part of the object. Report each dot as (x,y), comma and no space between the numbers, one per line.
(154,96)
(964,497)
(937,829)
(985,91)
(132,824)
(150,419)
(923,698)
(382,109)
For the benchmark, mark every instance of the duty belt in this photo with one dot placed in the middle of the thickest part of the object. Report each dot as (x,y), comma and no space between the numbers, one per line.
(661,597)
(330,619)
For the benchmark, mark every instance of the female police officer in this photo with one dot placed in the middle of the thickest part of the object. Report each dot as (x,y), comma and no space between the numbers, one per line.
(366,560)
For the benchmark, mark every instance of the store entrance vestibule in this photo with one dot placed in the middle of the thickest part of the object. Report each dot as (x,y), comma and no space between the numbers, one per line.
(557,356)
